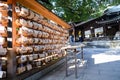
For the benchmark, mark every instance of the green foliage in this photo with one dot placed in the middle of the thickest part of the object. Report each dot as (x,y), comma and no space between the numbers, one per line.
(79,10)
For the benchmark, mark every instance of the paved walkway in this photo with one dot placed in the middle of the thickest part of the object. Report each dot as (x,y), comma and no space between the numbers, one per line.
(102,64)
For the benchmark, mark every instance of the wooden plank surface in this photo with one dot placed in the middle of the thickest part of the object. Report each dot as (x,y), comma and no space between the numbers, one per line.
(9,1)
(14,17)
(38,69)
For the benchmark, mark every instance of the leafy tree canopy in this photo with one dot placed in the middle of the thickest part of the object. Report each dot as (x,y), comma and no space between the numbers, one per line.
(78,10)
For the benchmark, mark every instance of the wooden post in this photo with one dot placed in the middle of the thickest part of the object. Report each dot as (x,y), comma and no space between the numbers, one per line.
(11,68)
(82,54)
(75,57)
(14,16)
(105,30)
(12,55)
(66,62)
(83,33)
(73,29)
(119,26)
(92,32)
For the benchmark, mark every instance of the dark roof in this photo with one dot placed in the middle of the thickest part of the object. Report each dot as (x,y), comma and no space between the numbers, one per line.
(109,11)
(112,10)
(115,19)
(85,22)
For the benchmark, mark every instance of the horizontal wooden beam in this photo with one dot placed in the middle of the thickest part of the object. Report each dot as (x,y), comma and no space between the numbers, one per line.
(9,1)
(38,8)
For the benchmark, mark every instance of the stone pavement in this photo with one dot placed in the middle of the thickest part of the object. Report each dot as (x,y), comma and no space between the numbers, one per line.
(101,64)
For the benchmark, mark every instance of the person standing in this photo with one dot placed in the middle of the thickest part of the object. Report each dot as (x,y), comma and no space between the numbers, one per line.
(81,39)
(71,39)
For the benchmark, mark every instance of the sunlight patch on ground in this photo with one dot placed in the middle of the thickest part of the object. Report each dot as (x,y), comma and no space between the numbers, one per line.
(102,58)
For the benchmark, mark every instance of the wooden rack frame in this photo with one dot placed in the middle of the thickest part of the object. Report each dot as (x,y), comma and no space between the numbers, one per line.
(38,8)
